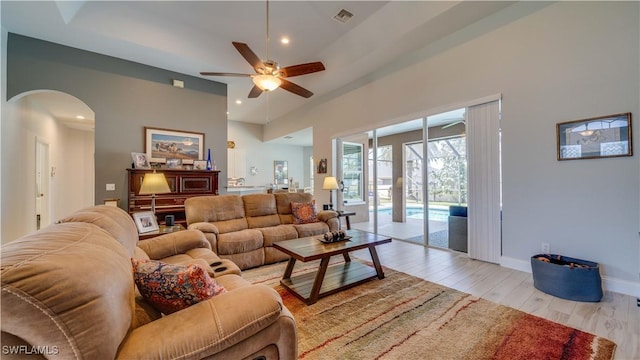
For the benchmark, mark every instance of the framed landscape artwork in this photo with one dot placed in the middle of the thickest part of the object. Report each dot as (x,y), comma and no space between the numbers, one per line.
(161,144)
(599,137)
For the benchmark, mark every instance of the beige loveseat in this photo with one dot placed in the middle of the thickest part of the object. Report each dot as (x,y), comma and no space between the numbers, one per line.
(68,293)
(243,228)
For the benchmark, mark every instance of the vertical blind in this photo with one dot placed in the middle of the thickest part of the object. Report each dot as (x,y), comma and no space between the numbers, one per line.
(483,156)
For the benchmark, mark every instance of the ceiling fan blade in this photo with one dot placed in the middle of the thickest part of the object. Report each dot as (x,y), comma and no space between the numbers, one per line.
(255,92)
(207,73)
(296,89)
(248,55)
(301,69)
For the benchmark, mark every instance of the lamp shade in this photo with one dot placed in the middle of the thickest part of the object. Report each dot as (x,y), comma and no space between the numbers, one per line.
(154,183)
(266,82)
(330,183)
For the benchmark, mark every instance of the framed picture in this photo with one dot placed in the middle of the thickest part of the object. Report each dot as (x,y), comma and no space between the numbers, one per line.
(145,221)
(599,137)
(174,163)
(280,172)
(140,161)
(175,144)
(322,166)
(199,164)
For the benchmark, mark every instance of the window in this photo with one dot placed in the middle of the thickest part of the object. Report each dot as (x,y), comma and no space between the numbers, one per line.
(352,171)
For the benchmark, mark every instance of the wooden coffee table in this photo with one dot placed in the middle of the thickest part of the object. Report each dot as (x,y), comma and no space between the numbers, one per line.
(330,279)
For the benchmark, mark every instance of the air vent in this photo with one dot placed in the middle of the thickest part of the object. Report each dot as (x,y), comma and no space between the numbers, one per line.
(343,16)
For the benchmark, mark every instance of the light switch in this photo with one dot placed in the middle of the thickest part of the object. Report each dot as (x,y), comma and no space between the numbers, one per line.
(111,187)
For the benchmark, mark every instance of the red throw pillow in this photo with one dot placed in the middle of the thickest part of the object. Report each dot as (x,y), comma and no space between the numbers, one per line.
(303,213)
(170,288)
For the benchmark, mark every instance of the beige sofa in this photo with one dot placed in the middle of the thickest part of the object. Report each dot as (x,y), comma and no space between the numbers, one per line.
(68,292)
(243,228)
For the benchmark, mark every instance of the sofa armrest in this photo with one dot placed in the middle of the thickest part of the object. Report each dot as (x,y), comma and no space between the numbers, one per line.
(205,227)
(325,215)
(206,328)
(175,243)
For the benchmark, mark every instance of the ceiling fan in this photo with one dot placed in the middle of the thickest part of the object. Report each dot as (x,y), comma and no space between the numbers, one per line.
(269,76)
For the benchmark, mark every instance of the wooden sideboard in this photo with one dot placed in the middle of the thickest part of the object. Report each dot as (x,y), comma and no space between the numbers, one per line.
(183,184)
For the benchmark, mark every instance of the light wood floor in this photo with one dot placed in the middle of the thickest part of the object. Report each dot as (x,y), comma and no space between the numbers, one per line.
(616,317)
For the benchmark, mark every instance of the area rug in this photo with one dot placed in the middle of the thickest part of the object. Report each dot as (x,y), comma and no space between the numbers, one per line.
(404,317)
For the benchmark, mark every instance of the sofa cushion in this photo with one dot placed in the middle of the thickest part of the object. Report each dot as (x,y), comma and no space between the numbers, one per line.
(312,229)
(228,226)
(260,210)
(238,242)
(170,288)
(283,204)
(303,213)
(117,222)
(68,285)
(278,233)
(213,208)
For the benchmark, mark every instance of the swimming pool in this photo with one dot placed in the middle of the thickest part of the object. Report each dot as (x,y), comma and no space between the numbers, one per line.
(416,212)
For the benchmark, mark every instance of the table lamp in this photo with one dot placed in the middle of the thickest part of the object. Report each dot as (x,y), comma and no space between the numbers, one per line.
(152,184)
(330,183)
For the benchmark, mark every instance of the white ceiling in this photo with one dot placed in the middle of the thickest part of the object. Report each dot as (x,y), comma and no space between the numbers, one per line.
(193,36)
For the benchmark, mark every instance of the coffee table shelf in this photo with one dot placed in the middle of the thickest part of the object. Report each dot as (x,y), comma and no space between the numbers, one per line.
(337,278)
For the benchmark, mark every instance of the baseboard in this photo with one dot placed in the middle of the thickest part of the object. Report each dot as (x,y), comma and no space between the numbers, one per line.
(516,264)
(626,287)
(621,286)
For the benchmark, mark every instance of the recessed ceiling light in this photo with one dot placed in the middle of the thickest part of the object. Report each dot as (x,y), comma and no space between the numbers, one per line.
(79,117)
(238,101)
(284,40)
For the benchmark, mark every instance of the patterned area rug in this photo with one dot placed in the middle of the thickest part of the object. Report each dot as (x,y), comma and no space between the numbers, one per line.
(404,317)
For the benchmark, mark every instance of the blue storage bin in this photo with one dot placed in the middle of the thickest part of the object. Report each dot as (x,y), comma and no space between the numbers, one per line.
(558,277)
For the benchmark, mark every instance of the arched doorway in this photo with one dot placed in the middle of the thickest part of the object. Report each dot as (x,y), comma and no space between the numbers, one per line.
(48,164)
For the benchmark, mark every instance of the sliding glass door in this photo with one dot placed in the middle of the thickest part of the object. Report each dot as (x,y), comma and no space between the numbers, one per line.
(447,184)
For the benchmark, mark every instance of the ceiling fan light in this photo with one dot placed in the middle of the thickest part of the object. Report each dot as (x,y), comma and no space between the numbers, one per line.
(267,82)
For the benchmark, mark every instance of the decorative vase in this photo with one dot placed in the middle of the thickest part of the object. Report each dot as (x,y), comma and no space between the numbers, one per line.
(209,160)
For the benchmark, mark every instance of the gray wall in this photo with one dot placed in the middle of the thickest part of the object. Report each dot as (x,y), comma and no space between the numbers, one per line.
(125,97)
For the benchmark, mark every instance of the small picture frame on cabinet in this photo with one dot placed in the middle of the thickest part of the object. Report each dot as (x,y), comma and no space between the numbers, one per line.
(140,160)
(174,163)
(199,164)
(145,221)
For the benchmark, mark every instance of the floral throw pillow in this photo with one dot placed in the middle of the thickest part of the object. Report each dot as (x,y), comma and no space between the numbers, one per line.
(303,213)
(170,288)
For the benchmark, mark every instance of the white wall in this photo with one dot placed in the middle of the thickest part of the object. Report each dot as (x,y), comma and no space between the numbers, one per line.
(75,171)
(70,152)
(248,139)
(555,63)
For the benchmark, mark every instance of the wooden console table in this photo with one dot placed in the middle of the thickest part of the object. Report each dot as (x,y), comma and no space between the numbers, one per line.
(183,184)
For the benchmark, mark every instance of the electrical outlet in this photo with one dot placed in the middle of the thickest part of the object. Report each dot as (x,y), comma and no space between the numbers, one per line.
(545,248)
(111,187)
